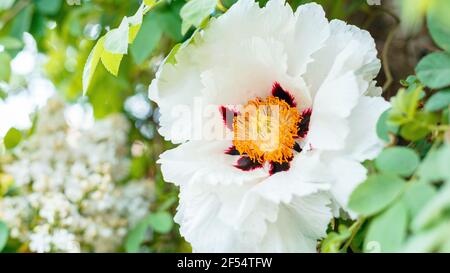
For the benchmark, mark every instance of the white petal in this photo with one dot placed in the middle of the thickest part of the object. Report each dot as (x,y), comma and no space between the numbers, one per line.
(347,49)
(200,161)
(332,105)
(310,33)
(362,142)
(292,227)
(175,99)
(304,177)
(255,66)
(299,225)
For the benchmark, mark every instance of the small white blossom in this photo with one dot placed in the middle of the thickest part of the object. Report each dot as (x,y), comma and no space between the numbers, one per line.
(66,197)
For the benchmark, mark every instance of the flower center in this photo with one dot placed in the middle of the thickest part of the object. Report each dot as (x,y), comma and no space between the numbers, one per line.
(266,130)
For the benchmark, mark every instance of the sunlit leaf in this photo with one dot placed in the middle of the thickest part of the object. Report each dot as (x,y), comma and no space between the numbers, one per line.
(91,63)
(404,106)
(12,138)
(111,62)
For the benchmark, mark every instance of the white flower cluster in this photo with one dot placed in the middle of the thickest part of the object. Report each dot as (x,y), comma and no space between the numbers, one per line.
(67,196)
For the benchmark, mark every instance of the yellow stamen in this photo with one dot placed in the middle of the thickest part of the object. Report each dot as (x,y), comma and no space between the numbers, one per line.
(266,129)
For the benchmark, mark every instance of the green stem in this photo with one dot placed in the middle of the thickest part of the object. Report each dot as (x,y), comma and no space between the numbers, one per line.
(354,229)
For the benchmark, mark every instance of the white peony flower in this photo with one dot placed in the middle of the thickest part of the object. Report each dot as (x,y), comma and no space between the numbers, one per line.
(294,115)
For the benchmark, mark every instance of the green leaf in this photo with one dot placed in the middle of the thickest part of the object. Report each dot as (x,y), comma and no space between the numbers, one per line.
(135,24)
(416,196)
(169,20)
(161,222)
(136,236)
(435,166)
(111,61)
(147,39)
(167,203)
(419,127)
(439,23)
(22,22)
(194,12)
(434,70)
(48,7)
(398,160)
(434,210)
(429,240)
(376,193)
(116,40)
(11,43)
(438,101)
(12,138)
(4,231)
(5,64)
(387,231)
(91,63)
(384,129)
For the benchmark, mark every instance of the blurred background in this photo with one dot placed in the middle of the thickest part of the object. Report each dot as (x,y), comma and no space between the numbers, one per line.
(68,160)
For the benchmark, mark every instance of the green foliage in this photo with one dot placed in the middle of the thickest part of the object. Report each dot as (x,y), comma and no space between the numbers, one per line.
(412,215)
